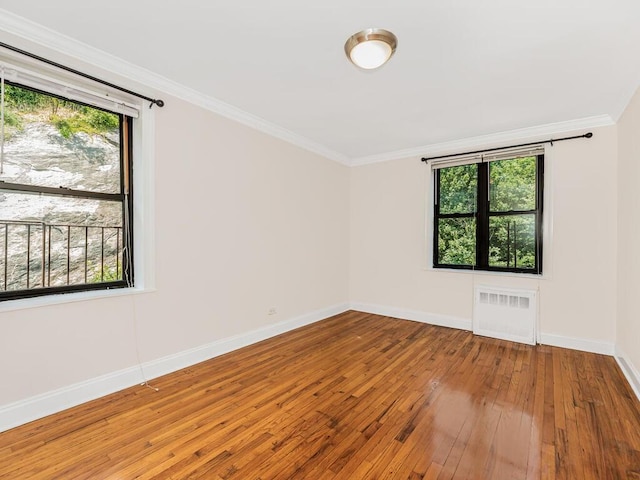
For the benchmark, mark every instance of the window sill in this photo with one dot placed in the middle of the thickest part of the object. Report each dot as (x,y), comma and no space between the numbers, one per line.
(536,276)
(38,302)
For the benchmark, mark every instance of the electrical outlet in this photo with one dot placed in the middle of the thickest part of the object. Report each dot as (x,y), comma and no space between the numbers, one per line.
(272,311)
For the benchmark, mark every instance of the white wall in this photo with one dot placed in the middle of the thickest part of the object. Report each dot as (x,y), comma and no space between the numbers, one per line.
(628,327)
(389,253)
(244,222)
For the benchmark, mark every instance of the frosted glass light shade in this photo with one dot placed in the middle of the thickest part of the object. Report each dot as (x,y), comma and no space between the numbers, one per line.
(371,54)
(370,48)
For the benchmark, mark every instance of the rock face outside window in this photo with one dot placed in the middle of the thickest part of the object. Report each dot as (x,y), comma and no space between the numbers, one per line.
(53,240)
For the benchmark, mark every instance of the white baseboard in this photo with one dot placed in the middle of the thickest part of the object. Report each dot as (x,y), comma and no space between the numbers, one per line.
(38,406)
(33,408)
(629,370)
(172,363)
(586,345)
(573,343)
(583,344)
(415,315)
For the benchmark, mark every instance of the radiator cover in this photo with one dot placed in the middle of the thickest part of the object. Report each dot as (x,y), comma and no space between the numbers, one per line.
(505,313)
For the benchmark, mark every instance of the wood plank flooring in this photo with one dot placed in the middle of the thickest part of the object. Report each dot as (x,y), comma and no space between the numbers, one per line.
(356,396)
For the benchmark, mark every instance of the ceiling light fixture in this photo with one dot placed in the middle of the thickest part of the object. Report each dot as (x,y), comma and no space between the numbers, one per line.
(370,48)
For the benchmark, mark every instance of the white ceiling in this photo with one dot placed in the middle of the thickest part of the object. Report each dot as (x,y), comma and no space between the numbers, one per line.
(463,68)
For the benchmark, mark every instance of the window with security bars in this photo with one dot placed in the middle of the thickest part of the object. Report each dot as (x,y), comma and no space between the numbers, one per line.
(65,195)
(488,213)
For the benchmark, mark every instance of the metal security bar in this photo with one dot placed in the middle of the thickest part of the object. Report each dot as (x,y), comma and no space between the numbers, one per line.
(39,255)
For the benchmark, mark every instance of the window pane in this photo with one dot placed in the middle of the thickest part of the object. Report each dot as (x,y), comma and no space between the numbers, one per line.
(54,209)
(53,241)
(512,241)
(512,184)
(458,189)
(457,241)
(51,142)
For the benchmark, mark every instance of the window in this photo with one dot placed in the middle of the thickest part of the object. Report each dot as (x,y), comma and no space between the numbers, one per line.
(65,192)
(488,214)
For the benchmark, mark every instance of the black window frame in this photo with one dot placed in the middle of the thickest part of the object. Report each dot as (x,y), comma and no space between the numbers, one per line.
(483,214)
(124,196)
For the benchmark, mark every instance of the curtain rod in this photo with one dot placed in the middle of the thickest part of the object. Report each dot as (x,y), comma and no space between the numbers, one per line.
(154,101)
(551,140)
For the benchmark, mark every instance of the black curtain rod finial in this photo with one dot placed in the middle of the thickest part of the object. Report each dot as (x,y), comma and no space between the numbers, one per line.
(551,140)
(157,102)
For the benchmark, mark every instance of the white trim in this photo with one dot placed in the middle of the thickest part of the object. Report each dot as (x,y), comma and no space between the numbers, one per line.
(47,300)
(548,188)
(573,343)
(43,80)
(481,273)
(38,406)
(23,411)
(250,120)
(537,133)
(506,153)
(415,315)
(51,39)
(33,408)
(144,199)
(583,344)
(429,219)
(629,370)
(66,45)
(547,227)
(143,224)
(172,363)
(586,345)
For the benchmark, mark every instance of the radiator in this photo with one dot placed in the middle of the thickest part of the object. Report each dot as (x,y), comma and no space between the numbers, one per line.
(505,313)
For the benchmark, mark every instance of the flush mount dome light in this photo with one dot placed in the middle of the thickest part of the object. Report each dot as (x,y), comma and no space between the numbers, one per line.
(370,48)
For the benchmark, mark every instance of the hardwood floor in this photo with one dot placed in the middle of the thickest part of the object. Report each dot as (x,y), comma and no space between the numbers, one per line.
(356,396)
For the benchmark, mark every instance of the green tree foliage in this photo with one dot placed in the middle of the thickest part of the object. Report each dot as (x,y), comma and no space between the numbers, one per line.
(87,120)
(12,120)
(457,241)
(512,184)
(69,117)
(17,101)
(457,236)
(512,241)
(458,189)
(110,274)
(23,100)
(512,188)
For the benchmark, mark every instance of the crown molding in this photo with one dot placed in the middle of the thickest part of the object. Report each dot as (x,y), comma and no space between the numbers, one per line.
(65,45)
(540,132)
(60,43)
